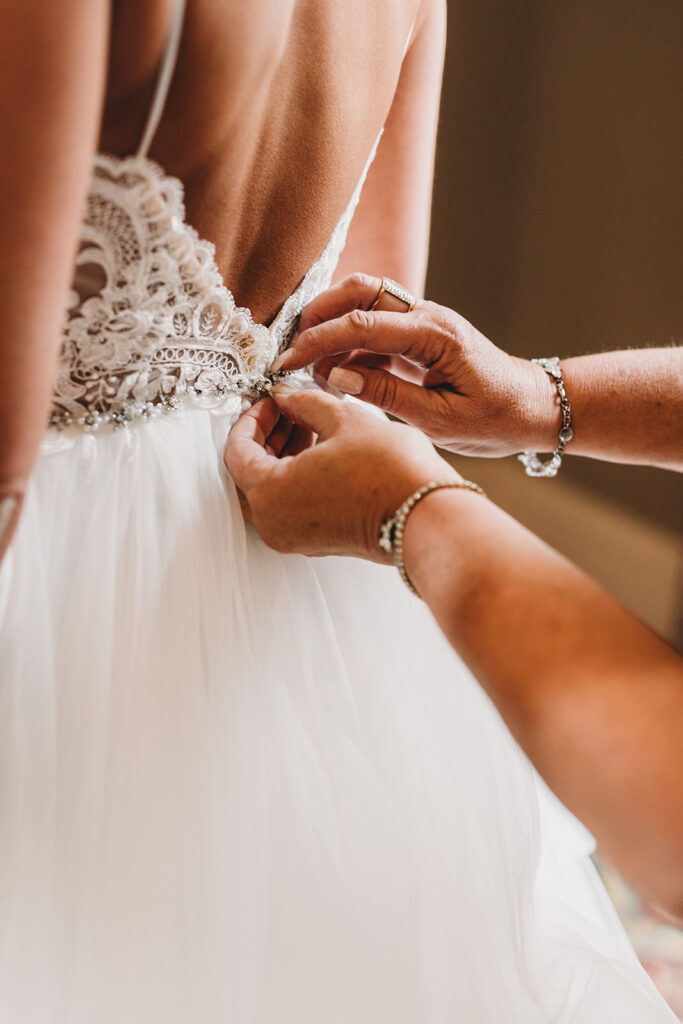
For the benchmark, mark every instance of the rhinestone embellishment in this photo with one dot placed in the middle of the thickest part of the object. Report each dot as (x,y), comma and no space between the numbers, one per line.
(150,324)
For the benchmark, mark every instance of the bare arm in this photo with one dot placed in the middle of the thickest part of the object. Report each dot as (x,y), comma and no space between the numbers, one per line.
(390,231)
(592,695)
(627,407)
(52,62)
(476,399)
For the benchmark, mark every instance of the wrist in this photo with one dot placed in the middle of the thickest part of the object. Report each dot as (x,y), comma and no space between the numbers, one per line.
(541,414)
(432,533)
(394,496)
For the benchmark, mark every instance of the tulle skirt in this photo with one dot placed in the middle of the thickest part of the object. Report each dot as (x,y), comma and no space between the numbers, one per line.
(238,787)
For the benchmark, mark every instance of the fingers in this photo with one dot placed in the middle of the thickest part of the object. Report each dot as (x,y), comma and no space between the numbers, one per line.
(245,455)
(398,365)
(257,423)
(358,291)
(244,505)
(405,334)
(323,368)
(289,438)
(280,436)
(409,402)
(314,410)
(300,439)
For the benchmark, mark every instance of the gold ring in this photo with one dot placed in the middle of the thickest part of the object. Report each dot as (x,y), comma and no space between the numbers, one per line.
(398,291)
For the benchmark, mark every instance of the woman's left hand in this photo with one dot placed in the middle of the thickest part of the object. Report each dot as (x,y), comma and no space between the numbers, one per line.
(429,367)
(329,498)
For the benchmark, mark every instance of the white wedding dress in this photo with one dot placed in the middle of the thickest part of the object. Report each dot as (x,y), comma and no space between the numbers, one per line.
(238,787)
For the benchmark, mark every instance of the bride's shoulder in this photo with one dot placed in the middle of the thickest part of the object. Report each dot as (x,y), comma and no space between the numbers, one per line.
(255,59)
(273,110)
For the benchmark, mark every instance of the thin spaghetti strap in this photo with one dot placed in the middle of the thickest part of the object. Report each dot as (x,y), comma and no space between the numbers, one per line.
(408,40)
(164,80)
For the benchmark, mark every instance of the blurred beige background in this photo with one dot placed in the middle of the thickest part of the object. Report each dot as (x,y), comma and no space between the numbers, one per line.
(557,226)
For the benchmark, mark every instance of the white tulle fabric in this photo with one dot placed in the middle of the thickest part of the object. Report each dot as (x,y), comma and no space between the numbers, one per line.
(238,787)
(243,787)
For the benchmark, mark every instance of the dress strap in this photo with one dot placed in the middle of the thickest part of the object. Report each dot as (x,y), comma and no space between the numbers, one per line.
(164,80)
(408,40)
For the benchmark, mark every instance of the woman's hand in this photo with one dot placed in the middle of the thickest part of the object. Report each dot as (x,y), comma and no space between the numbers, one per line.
(329,498)
(430,368)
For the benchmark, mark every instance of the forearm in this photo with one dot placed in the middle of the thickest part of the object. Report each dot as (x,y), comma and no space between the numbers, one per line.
(390,230)
(51,77)
(593,697)
(626,407)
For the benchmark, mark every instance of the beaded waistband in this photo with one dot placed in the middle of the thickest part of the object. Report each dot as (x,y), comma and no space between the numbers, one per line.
(204,395)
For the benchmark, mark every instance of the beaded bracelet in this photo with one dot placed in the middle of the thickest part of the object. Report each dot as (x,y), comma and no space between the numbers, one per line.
(530,460)
(392,530)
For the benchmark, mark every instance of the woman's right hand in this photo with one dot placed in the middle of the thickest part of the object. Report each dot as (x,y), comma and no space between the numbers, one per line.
(430,368)
(331,497)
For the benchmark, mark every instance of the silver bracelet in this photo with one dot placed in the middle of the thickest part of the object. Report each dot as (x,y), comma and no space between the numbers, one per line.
(530,460)
(392,530)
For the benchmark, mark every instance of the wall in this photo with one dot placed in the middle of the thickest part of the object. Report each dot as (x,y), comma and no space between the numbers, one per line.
(557,209)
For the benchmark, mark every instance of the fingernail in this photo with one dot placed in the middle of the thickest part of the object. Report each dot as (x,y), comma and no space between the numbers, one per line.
(324,385)
(282,389)
(277,363)
(346,380)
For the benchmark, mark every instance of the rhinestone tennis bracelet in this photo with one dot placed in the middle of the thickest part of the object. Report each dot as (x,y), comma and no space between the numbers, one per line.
(392,530)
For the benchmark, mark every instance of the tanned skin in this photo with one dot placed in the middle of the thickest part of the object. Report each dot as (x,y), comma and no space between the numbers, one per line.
(274,108)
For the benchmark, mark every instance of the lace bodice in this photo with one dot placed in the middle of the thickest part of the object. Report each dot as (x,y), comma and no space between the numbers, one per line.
(150,320)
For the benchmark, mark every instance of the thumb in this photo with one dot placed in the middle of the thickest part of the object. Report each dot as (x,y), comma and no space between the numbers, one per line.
(318,411)
(409,402)
(245,455)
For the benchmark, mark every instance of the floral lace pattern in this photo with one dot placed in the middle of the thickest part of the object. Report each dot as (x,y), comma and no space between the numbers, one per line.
(150,321)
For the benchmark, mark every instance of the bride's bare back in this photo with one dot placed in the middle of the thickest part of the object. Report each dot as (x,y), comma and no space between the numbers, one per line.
(273,110)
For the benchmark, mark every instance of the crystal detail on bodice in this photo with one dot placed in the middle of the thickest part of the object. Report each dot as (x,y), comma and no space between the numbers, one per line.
(150,322)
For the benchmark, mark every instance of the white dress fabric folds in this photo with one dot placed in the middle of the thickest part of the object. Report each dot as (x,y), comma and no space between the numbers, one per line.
(243,787)
(238,787)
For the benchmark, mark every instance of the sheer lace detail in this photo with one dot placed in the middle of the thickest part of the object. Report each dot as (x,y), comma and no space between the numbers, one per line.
(150,322)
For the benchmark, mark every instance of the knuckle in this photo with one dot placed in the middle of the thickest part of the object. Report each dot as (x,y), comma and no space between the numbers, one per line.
(385,390)
(338,416)
(440,314)
(429,308)
(360,321)
(359,282)
(444,321)
(424,320)
(311,316)
(458,331)
(309,331)
(445,340)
